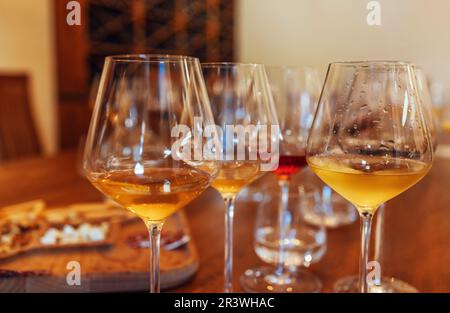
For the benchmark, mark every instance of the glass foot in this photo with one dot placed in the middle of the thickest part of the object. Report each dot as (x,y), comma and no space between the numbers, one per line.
(388,285)
(263,279)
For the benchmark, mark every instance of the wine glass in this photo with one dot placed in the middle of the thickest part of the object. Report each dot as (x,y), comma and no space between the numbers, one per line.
(391,284)
(369,140)
(296,92)
(146,106)
(304,244)
(242,106)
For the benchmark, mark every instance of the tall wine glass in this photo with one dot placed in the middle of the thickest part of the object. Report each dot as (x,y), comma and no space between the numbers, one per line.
(146,106)
(391,284)
(296,92)
(369,140)
(242,106)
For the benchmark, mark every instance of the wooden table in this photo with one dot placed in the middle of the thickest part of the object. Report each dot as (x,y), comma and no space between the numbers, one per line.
(417,229)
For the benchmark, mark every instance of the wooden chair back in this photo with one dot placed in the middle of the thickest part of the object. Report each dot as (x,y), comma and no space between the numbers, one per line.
(18,137)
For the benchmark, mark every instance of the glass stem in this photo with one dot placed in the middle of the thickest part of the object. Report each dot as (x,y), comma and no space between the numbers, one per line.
(282,215)
(366,225)
(228,268)
(154,229)
(379,227)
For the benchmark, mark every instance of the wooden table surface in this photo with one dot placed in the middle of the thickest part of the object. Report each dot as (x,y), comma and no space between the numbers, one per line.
(417,228)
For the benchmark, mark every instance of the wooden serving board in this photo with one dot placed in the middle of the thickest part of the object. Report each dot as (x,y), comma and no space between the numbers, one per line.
(114,268)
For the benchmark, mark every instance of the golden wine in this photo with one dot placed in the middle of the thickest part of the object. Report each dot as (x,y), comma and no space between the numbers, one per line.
(366,181)
(155,194)
(235,175)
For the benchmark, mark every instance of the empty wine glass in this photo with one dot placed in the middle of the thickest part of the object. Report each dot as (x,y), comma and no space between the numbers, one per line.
(296,91)
(303,245)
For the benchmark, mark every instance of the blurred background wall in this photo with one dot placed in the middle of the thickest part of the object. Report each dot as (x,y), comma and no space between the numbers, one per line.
(317,32)
(27,46)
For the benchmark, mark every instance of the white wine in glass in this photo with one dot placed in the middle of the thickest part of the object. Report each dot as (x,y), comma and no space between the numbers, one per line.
(233,176)
(240,99)
(156,193)
(370,140)
(391,284)
(367,181)
(129,154)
